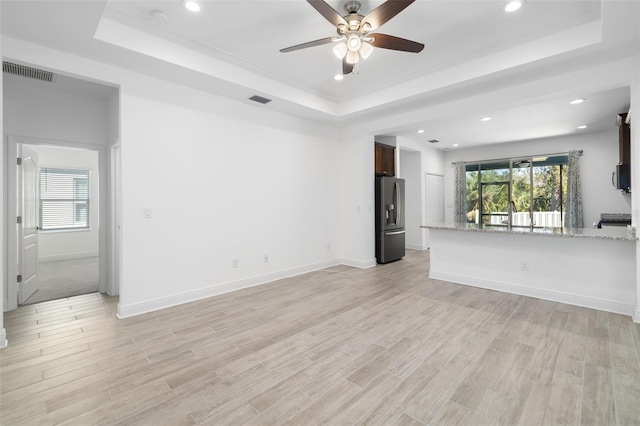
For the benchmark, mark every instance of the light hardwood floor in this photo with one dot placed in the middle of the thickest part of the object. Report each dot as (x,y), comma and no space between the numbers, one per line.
(338,346)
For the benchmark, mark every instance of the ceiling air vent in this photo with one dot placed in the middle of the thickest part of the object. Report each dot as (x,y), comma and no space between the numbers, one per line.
(433,141)
(259,99)
(24,71)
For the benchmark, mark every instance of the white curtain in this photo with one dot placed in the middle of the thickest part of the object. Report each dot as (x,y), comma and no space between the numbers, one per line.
(573,216)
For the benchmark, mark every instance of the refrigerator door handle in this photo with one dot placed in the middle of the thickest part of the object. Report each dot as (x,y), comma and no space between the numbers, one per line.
(396,193)
(398,201)
(395,232)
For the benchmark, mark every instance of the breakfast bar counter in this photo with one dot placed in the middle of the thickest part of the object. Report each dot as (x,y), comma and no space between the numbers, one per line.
(587,267)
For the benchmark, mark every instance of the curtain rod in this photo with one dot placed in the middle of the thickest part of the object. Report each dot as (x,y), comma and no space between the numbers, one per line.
(514,158)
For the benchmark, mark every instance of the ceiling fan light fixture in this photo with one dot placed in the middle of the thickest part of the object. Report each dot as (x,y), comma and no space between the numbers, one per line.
(352,57)
(365,50)
(354,42)
(340,50)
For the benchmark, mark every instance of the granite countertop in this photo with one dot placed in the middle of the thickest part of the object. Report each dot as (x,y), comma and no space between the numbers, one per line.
(607,233)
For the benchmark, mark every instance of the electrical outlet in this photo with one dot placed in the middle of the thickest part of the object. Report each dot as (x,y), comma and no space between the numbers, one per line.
(266,258)
(234,263)
(524,266)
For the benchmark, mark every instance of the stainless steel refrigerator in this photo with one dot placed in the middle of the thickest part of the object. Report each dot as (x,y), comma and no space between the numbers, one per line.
(389,219)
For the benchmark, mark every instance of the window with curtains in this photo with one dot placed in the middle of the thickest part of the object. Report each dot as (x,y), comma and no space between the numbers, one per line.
(64,199)
(529,191)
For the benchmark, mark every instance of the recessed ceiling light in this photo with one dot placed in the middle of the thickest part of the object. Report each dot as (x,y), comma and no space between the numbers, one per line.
(512,6)
(338,77)
(455,144)
(485,118)
(577,101)
(420,131)
(191,5)
(582,127)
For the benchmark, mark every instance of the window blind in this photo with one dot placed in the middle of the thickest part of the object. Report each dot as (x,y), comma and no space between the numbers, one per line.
(64,199)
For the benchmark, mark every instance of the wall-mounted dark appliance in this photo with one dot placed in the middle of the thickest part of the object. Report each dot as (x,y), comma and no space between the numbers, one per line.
(621,178)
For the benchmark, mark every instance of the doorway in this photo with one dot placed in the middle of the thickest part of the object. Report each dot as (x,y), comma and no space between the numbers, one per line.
(67,219)
(60,245)
(434,201)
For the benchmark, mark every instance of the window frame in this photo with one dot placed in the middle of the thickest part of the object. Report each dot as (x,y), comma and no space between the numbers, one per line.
(76,175)
(561,160)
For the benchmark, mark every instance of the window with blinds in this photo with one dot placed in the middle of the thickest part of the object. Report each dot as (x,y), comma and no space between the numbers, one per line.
(64,199)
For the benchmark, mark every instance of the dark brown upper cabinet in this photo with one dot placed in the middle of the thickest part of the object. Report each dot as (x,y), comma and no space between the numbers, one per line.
(385,160)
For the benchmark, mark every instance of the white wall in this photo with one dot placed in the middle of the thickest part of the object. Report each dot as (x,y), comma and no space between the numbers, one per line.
(223,180)
(591,272)
(635,176)
(3,293)
(113,118)
(432,162)
(61,245)
(357,198)
(410,171)
(597,163)
(45,110)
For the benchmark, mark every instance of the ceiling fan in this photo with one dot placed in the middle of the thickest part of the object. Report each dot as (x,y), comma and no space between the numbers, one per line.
(354,39)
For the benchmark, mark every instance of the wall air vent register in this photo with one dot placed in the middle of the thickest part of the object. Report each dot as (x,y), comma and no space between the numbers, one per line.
(25,71)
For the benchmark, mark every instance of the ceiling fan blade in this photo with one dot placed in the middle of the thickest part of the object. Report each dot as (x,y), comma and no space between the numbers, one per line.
(319,42)
(385,41)
(328,12)
(346,68)
(385,12)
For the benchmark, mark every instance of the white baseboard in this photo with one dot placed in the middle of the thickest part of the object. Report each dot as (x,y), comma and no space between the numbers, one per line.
(636,316)
(552,295)
(416,247)
(67,256)
(125,311)
(3,339)
(362,264)
(5,306)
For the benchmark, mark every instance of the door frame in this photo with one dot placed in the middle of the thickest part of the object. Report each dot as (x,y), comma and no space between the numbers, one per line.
(104,234)
(115,219)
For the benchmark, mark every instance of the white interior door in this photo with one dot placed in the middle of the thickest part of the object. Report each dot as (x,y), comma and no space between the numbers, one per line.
(28,229)
(434,211)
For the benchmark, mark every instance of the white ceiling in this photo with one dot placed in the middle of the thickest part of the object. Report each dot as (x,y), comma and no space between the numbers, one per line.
(520,68)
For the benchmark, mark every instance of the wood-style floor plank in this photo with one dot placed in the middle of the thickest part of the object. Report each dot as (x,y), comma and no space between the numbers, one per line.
(384,345)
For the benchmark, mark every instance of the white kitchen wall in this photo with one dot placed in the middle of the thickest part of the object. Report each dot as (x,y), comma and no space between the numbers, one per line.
(410,167)
(432,162)
(635,175)
(61,245)
(597,163)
